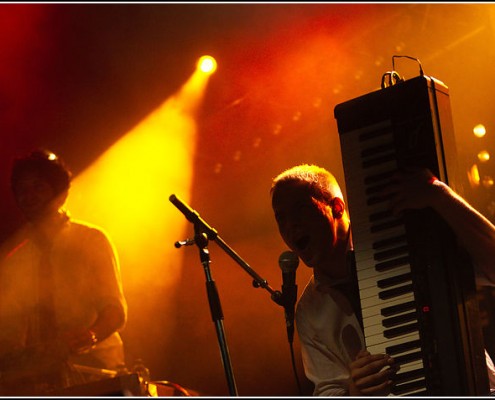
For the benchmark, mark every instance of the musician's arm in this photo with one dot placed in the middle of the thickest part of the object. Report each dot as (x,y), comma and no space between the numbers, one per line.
(107,296)
(110,319)
(474,232)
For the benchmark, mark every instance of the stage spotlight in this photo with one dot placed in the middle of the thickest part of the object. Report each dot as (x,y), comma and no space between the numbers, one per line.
(479,130)
(483,156)
(207,64)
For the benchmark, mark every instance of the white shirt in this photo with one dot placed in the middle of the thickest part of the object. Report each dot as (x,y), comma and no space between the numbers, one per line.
(330,337)
(86,277)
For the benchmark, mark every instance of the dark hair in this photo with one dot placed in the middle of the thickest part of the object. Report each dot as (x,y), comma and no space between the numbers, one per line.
(47,165)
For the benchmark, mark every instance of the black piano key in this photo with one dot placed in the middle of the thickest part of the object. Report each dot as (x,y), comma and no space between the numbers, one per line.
(398,291)
(393,252)
(386,225)
(400,331)
(408,376)
(389,242)
(409,387)
(408,358)
(372,201)
(399,319)
(403,347)
(394,280)
(376,133)
(378,160)
(387,265)
(370,190)
(371,151)
(370,179)
(398,308)
(378,216)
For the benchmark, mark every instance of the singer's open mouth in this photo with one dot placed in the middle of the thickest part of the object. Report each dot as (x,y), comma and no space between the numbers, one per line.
(302,243)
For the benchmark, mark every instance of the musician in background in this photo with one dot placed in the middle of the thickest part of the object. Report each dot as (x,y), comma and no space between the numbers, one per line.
(61,298)
(313,222)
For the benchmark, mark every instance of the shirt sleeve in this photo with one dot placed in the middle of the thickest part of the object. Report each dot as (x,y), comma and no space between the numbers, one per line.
(107,281)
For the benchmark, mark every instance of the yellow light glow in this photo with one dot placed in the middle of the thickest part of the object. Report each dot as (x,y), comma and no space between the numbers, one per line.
(483,156)
(126,192)
(479,130)
(474,176)
(487,181)
(207,64)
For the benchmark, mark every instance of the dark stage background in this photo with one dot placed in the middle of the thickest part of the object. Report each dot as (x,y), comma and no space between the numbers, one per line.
(77,77)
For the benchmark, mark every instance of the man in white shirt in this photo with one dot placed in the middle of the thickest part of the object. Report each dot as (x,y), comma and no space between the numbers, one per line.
(312,219)
(61,299)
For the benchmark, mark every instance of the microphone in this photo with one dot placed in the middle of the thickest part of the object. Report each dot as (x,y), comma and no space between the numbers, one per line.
(288,262)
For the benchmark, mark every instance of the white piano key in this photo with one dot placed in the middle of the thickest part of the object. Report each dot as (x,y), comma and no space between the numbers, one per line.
(373,310)
(371,282)
(376,344)
(374,300)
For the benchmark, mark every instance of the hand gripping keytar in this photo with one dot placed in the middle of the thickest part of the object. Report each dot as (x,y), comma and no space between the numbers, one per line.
(202,234)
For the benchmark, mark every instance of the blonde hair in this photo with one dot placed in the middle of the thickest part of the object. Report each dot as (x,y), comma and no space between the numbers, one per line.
(321,183)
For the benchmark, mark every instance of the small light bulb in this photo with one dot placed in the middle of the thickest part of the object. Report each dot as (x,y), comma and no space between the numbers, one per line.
(479,130)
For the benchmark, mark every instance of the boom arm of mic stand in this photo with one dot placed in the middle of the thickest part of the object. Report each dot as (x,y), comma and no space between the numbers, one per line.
(276,295)
(212,234)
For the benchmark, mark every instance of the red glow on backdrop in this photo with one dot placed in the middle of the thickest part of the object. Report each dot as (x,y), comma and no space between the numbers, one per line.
(24,48)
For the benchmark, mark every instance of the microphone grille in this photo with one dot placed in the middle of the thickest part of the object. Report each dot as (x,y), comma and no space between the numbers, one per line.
(288,261)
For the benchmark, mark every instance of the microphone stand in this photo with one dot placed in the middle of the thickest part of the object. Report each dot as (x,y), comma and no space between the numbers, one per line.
(201,240)
(202,233)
